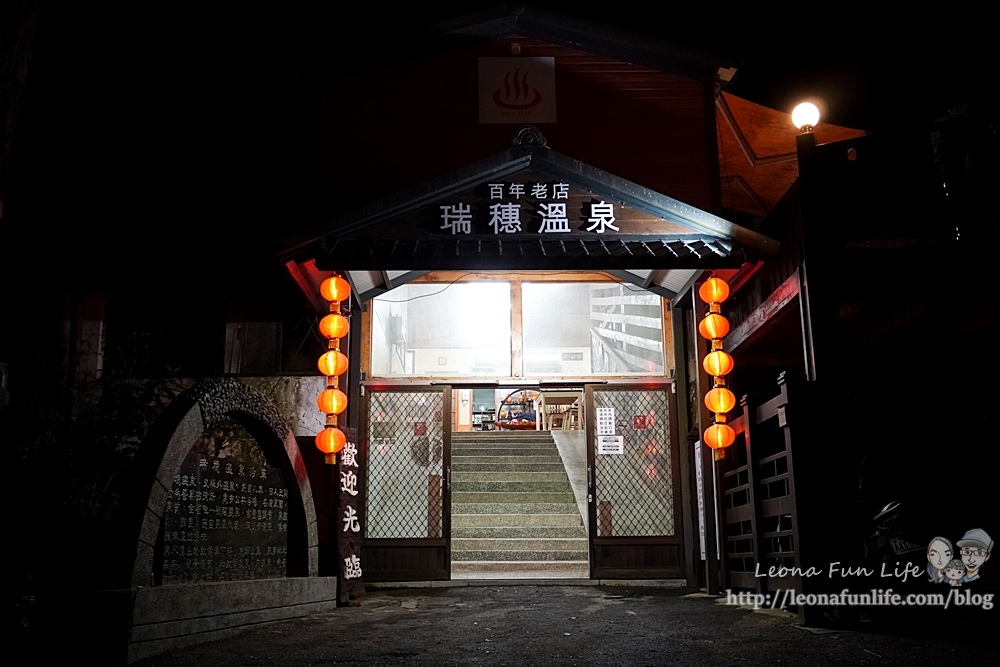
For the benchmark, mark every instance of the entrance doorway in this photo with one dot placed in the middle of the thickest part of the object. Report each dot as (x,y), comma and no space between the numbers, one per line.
(519,486)
(621,252)
(515,510)
(600,501)
(499,469)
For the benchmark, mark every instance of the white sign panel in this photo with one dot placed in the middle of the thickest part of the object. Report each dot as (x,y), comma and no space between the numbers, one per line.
(700,484)
(605,421)
(517,90)
(611,444)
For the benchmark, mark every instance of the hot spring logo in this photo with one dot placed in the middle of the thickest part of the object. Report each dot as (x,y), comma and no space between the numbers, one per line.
(516,93)
(945,565)
(516,90)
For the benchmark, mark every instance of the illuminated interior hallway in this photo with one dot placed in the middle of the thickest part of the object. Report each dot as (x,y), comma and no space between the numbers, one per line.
(518,510)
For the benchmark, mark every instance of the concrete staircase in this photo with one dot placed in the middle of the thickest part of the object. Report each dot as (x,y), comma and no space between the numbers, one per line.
(513,512)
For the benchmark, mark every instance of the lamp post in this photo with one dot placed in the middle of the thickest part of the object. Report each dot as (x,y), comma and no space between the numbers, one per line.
(805,116)
(823,484)
(818,243)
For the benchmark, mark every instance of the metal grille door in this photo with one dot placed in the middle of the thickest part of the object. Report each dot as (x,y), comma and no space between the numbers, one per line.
(407,449)
(634,482)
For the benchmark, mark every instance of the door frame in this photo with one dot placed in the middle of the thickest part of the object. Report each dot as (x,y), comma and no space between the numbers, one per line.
(627,557)
(406,558)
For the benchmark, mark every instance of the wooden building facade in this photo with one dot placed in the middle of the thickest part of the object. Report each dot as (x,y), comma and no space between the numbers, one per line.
(858,296)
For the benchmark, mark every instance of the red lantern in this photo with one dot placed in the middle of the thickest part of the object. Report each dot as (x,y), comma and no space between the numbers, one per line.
(330,440)
(332,401)
(333,363)
(334,325)
(720,400)
(714,290)
(335,288)
(718,363)
(713,326)
(719,436)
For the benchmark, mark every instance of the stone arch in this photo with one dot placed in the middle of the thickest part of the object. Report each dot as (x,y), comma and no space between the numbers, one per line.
(200,407)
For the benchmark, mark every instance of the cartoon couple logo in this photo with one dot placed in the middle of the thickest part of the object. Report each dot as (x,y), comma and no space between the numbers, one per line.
(974,550)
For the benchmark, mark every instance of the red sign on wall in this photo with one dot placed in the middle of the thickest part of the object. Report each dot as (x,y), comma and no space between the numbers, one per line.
(419,428)
(639,422)
(517,90)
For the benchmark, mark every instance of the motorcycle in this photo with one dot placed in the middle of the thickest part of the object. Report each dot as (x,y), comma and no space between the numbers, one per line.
(894,541)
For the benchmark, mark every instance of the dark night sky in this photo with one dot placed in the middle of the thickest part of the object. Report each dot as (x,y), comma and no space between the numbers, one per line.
(872,68)
(140,115)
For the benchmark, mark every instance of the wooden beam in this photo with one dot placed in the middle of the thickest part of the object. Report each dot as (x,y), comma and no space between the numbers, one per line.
(366,344)
(516,331)
(687,461)
(310,289)
(764,313)
(532,276)
(667,327)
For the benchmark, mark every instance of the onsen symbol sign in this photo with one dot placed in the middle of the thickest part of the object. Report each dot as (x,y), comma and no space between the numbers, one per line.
(517,90)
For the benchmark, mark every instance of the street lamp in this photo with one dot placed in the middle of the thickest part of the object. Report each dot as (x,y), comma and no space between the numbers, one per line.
(805,116)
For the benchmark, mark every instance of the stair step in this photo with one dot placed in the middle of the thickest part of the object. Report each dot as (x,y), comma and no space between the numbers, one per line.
(501,435)
(516,568)
(466,544)
(467,467)
(515,508)
(499,575)
(501,520)
(517,531)
(511,497)
(505,446)
(487,441)
(527,463)
(520,476)
(518,555)
(511,486)
(508,444)
(464,452)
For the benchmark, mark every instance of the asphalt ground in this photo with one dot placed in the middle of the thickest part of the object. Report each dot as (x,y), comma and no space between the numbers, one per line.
(586,625)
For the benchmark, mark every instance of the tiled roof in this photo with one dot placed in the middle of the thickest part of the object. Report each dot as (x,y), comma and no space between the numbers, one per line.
(659,241)
(531,252)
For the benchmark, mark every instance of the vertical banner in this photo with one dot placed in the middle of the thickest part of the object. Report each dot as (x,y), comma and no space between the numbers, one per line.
(517,90)
(350,583)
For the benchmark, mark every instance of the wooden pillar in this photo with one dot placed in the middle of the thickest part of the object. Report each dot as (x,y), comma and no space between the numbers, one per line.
(710,472)
(605,526)
(435,502)
(689,486)
(825,475)
(753,483)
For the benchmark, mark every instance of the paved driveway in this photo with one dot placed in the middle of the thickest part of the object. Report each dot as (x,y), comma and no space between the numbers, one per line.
(574,625)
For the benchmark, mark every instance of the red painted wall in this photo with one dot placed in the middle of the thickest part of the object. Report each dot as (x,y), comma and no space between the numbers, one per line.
(395,127)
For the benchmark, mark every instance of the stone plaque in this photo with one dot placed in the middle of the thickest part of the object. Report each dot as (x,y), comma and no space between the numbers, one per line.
(226,515)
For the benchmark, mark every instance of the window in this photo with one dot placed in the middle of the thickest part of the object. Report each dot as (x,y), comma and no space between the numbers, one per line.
(453,330)
(563,329)
(586,329)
